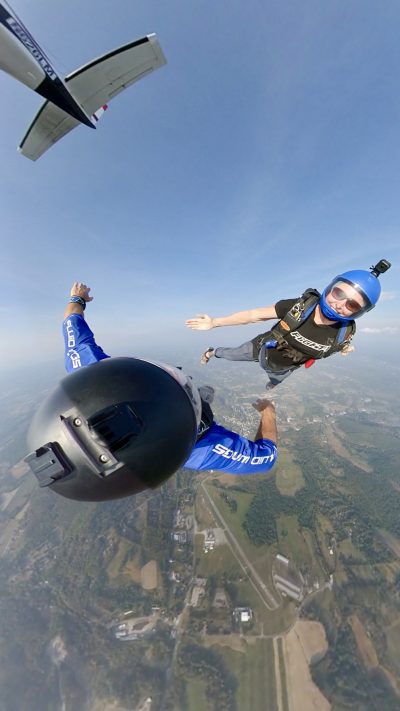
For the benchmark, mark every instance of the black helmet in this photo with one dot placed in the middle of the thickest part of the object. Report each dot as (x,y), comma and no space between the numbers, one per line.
(113,429)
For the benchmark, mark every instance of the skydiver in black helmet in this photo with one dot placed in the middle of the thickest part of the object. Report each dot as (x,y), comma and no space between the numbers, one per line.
(310,327)
(122,425)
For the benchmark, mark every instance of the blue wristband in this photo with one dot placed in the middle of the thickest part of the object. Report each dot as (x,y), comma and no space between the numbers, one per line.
(78,300)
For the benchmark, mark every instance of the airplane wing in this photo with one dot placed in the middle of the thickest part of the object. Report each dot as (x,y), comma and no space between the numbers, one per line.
(92,86)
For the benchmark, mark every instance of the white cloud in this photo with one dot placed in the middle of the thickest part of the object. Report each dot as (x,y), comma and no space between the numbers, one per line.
(386,329)
(388,295)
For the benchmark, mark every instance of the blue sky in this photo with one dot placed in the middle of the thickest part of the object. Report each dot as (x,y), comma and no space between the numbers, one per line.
(263,159)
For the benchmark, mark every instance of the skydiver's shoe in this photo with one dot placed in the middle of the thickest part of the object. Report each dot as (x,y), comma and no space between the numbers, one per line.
(270,385)
(207,355)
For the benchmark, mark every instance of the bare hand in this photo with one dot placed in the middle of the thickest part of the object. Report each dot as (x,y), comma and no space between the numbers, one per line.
(202,322)
(79,289)
(263,404)
(346,350)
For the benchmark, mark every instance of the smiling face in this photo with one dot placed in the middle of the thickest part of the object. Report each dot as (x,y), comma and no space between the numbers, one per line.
(345,299)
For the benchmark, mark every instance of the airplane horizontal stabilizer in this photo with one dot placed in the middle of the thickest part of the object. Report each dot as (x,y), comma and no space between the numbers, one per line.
(98,82)
(49,125)
(93,86)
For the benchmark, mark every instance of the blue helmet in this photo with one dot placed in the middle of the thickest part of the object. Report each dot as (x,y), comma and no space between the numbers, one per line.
(366,283)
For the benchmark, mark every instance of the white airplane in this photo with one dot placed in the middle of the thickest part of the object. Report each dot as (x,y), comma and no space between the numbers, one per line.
(83,95)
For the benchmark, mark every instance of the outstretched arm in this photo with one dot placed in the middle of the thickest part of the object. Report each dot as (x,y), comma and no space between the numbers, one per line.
(82,291)
(80,346)
(267,427)
(228,451)
(203,322)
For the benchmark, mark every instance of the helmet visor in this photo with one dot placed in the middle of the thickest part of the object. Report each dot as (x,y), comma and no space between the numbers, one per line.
(346,299)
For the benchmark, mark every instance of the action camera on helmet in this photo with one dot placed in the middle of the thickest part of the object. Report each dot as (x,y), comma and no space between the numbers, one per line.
(380,268)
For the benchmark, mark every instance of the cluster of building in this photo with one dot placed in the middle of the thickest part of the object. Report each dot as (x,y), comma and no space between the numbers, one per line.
(286,580)
(132,628)
(242,614)
(198,591)
(209,540)
(183,523)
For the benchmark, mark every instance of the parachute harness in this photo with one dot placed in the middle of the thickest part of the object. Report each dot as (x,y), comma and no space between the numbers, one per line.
(295,317)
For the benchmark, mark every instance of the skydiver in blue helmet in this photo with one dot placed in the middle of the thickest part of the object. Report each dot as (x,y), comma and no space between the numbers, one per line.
(116,426)
(216,447)
(310,327)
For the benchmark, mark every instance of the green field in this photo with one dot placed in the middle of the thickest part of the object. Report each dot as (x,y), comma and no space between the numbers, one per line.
(220,560)
(365,433)
(235,520)
(204,517)
(282,671)
(292,542)
(392,636)
(260,556)
(300,546)
(116,563)
(271,622)
(349,549)
(314,557)
(243,500)
(323,532)
(196,697)
(255,672)
(289,477)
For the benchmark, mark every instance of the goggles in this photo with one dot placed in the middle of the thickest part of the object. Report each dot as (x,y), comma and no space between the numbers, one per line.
(351,304)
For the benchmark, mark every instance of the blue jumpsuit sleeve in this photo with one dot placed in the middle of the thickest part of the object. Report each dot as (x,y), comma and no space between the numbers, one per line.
(80,347)
(228,451)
